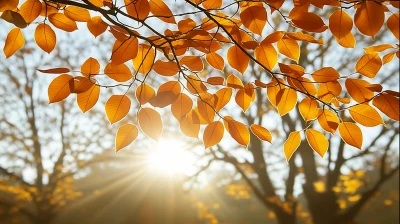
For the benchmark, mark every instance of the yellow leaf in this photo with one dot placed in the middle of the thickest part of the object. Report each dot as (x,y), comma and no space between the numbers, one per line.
(308,109)
(161,11)
(14,41)
(287,101)
(186,25)
(144,93)
(117,107)
(62,22)
(89,98)
(388,58)
(213,134)
(340,24)
(211,4)
(8,5)
(377,48)
(59,88)
(45,37)
(290,48)
(126,134)
(90,67)
(30,10)
(189,128)
(348,41)
(97,26)
(328,120)
(266,54)
(388,104)
(150,122)
(261,132)
(182,106)
(120,73)
(144,60)
(351,134)
(365,115)
(243,99)
(369,64)
(254,18)
(234,82)
(317,141)
(237,59)
(291,144)
(239,132)
(206,111)
(369,17)
(78,14)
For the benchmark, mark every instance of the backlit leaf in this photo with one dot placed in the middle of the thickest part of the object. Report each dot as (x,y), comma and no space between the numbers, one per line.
(161,11)
(369,65)
(30,10)
(97,26)
(266,54)
(45,37)
(182,106)
(89,98)
(291,144)
(213,134)
(150,122)
(120,73)
(59,88)
(325,74)
(351,134)
(237,59)
(365,115)
(215,60)
(76,13)
(138,9)
(388,104)
(261,132)
(117,107)
(144,93)
(369,17)
(62,22)
(287,101)
(393,24)
(124,50)
(168,68)
(328,120)
(239,132)
(317,141)
(308,109)
(90,67)
(144,60)
(290,48)
(14,41)
(254,18)
(357,89)
(126,134)
(340,24)
(224,96)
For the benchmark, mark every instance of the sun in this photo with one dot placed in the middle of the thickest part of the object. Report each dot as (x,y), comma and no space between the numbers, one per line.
(171,157)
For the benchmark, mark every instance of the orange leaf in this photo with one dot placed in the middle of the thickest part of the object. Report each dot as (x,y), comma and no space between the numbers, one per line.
(308,109)
(290,48)
(369,17)
(377,48)
(215,60)
(144,93)
(117,107)
(325,74)
(62,22)
(161,11)
(182,106)
(254,18)
(369,64)
(357,89)
(317,141)
(243,99)
(216,80)
(168,92)
(59,88)
(45,37)
(213,134)
(54,70)
(186,25)
(211,4)
(351,134)
(89,98)
(168,68)
(144,60)
(287,101)
(81,84)
(340,24)
(261,132)
(97,26)
(388,104)
(328,120)
(120,73)
(239,132)
(266,54)
(14,18)
(234,82)
(90,67)
(78,14)
(194,63)
(237,59)
(206,111)
(224,96)
(195,85)
(124,50)
(291,144)
(365,115)
(348,41)
(138,9)
(308,21)
(30,10)
(126,134)
(14,41)
(189,128)
(150,122)
(393,24)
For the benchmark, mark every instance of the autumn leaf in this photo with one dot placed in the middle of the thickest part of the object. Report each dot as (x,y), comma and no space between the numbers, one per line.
(369,18)
(45,37)
(89,98)
(261,132)
(150,122)
(117,107)
(290,48)
(291,144)
(365,115)
(144,93)
(213,134)
(351,134)
(126,134)
(59,88)
(239,132)
(14,41)
(317,141)
(237,59)
(308,109)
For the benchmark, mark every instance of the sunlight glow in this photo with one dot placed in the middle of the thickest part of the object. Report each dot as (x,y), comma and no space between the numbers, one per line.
(171,157)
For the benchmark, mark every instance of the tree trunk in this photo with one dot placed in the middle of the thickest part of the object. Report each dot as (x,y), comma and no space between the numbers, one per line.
(323,207)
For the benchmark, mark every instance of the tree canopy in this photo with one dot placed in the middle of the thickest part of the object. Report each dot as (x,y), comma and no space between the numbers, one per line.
(177,41)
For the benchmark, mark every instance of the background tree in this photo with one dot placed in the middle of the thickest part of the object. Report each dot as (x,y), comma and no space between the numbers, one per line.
(42,147)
